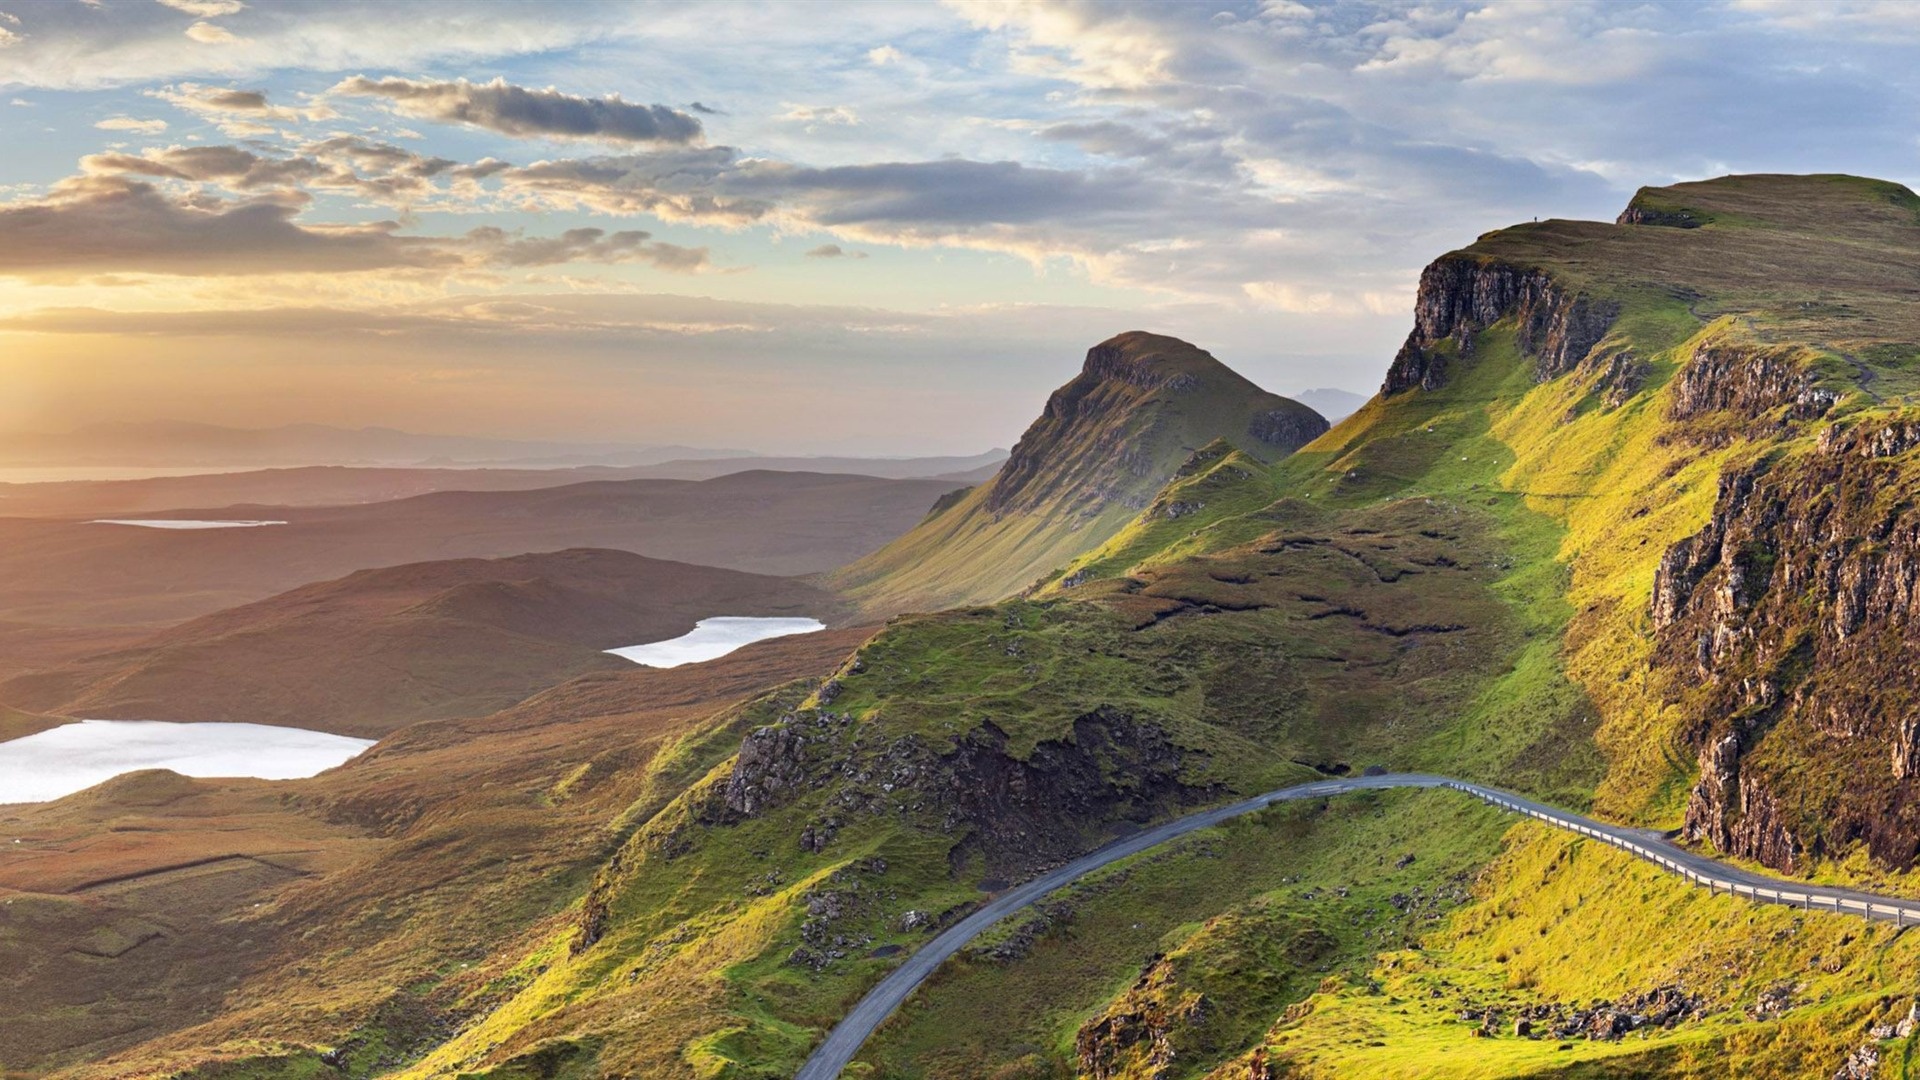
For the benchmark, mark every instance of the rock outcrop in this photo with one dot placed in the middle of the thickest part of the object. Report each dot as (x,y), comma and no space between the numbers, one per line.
(1759,390)
(1778,624)
(1461,295)
(1017,813)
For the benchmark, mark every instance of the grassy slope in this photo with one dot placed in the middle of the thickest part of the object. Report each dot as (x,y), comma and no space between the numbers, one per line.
(1377,620)
(16,724)
(408,887)
(1454,579)
(1589,497)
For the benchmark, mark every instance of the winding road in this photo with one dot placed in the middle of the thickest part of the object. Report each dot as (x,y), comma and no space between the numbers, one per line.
(846,1038)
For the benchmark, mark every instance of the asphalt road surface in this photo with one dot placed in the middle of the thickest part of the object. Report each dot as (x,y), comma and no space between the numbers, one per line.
(846,1038)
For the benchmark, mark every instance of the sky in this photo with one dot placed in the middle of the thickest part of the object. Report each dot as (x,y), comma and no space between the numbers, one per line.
(822,227)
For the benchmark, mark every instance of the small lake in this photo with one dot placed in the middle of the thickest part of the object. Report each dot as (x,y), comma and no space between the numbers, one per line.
(182,523)
(73,757)
(714,638)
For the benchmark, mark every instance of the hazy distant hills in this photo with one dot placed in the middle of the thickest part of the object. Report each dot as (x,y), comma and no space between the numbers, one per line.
(334,485)
(378,649)
(1335,405)
(180,443)
(1105,444)
(77,574)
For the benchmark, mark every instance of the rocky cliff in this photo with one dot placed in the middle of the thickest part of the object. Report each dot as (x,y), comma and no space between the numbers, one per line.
(1796,610)
(1462,294)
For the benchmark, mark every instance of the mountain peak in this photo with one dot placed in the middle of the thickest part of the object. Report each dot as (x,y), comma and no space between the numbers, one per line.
(1103,447)
(1154,361)
(1140,404)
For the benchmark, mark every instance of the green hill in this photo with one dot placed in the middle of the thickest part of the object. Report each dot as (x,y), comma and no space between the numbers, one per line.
(1630,529)
(1106,444)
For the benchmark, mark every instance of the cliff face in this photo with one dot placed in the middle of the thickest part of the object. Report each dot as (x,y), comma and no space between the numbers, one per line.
(1015,813)
(1460,295)
(1796,610)
(1756,390)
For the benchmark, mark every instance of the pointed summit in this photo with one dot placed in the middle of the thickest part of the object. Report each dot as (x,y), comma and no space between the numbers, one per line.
(1140,405)
(1106,442)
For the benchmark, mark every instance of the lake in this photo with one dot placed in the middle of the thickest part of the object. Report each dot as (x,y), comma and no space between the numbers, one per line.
(74,757)
(182,523)
(713,638)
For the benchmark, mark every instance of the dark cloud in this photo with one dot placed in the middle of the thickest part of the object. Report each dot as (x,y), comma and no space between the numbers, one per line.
(834,251)
(683,184)
(101,224)
(516,110)
(588,245)
(109,222)
(345,163)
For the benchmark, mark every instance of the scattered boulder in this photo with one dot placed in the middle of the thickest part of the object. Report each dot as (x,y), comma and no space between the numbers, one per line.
(1862,1064)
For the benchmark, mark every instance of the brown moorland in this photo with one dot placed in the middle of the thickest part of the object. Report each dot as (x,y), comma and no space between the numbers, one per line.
(376,650)
(142,907)
(70,589)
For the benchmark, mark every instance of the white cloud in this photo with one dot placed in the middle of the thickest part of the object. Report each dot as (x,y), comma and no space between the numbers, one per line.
(831,115)
(881,56)
(526,112)
(1870,19)
(207,33)
(128,123)
(206,9)
(1078,43)
(74,49)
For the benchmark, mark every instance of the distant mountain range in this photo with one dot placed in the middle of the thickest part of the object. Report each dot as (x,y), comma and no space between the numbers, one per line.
(336,485)
(1335,405)
(180,443)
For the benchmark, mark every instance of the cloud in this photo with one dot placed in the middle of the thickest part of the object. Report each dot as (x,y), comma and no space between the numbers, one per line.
(1111,47)
(98,224)
(832,115)
(108,221)
(207,33)
(377,171)
(128,123)
(834,251)
(588,245)
(1299,300)
(206,9)
(222,102)
(1873,20)
(515,110)
(884,55)
(73,48)
(9,37)
(676,185)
